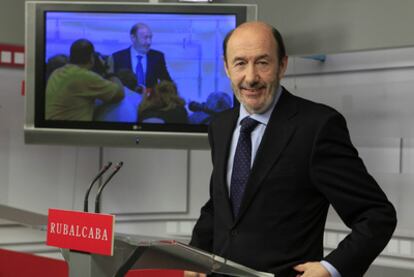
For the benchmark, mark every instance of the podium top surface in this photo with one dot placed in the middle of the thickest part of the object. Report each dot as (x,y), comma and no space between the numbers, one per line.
(170,253)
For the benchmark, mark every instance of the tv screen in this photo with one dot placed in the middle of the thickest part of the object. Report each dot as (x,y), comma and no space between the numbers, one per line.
(126,74)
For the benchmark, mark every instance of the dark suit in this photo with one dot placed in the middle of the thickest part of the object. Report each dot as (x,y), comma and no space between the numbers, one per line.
(305,161)
(156,68)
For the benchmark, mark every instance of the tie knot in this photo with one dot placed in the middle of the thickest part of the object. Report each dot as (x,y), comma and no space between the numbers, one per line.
(139,57)
(248,124)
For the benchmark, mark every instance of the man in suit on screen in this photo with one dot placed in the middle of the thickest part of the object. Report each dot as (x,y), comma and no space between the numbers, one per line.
(279,161)
(148,65)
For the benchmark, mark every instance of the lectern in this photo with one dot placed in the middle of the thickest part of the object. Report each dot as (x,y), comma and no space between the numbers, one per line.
(135,252)
(139,252)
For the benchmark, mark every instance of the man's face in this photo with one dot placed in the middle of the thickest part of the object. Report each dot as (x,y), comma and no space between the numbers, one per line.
(142,40)
(253,66)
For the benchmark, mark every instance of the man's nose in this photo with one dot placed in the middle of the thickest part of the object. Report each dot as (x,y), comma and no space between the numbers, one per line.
(251,74)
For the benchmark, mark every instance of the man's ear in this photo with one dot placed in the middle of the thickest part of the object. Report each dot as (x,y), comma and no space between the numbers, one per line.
(226,67)
(283,66)
(133,37)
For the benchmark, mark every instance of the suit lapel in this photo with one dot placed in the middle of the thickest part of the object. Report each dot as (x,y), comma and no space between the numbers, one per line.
(150,68)
(128,60)
(226,127)
(277,135)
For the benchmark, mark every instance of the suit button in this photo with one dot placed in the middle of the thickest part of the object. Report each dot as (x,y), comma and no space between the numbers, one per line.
(234,233)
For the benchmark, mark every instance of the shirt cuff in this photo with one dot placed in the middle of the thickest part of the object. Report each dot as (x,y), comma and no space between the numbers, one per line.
(331,269)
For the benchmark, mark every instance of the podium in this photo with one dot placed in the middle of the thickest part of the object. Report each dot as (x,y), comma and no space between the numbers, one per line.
(139,252)
(135,252)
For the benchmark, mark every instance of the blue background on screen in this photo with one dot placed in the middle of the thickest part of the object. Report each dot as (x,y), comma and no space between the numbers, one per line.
(192,44)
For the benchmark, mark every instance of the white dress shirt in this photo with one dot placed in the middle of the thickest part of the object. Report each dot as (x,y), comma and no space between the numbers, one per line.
(134,60)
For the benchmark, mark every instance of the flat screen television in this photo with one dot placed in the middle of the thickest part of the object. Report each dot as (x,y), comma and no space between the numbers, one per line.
(184,84)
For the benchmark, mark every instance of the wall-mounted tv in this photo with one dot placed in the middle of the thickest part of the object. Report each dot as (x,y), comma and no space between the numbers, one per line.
(126,74)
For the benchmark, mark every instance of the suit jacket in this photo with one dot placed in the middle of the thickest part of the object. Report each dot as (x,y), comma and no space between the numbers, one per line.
(156,67)
(304,163)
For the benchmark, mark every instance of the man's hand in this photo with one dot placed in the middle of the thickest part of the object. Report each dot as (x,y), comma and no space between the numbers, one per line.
(312,269)
(193,274)
(140,89)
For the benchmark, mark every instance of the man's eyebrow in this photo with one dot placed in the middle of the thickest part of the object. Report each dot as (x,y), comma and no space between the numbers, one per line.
(264,56)
(235,59)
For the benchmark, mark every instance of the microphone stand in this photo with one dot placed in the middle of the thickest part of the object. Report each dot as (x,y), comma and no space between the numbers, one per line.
(98,194)
(101,172)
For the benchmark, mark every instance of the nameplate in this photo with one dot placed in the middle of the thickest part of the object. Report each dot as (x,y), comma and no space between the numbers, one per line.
(86,232)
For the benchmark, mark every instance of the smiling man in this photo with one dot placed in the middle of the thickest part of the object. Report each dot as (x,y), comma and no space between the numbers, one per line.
(279,161)
(148,65)
(254,68)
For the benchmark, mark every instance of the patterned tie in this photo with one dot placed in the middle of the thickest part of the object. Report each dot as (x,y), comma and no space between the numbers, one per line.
(139,71)
(241,163)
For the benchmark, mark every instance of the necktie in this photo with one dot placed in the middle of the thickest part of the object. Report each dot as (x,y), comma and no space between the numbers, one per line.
(139,71)
(241,163)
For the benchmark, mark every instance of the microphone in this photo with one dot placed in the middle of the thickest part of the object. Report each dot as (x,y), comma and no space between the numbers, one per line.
(198,107)
(100,173)
(98,194)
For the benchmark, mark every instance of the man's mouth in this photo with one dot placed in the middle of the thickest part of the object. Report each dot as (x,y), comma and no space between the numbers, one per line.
(252,90)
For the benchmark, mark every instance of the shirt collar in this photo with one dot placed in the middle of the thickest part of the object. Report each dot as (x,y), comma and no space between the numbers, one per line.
(135,53)
(263,118)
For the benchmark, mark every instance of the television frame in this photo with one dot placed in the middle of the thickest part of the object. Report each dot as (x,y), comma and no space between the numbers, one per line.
(35,133)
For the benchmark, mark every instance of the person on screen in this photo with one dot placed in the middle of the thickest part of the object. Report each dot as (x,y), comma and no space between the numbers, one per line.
(163,105)
(279,162)
(54,63)
(148,65)
(128,79)
(203,112)
(72,90)
(127,109)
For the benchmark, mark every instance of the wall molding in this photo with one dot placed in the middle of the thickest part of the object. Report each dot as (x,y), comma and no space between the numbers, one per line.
(352,62)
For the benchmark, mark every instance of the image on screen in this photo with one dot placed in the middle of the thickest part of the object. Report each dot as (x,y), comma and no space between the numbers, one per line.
(169,70)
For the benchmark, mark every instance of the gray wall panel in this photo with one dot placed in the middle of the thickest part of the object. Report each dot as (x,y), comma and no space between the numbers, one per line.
(151,181)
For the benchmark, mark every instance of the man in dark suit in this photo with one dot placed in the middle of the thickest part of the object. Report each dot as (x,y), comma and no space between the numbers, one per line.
(147,64)
(279,161)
